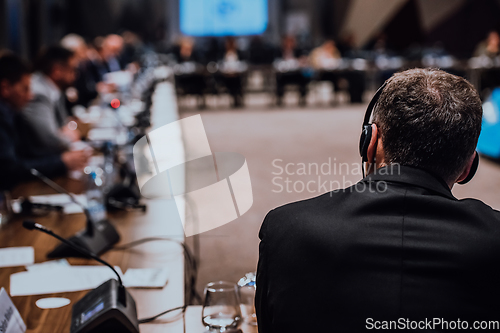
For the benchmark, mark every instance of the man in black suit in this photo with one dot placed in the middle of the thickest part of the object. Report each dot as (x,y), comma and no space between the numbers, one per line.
(16,138)
(397,250)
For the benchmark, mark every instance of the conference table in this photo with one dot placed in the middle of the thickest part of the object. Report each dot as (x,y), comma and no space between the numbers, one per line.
(131,226)
(162,218)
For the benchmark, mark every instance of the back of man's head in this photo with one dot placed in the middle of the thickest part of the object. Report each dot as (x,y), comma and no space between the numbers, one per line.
(50,56)
(429,119)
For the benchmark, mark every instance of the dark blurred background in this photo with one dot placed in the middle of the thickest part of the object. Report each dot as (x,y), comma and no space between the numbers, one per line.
(458,25)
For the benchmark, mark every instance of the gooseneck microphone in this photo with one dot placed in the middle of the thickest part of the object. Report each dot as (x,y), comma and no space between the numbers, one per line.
(98,236)
(31,225)
(59,189)
(109,307)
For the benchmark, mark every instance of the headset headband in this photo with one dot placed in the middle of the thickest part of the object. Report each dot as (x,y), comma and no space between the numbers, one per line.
(372,104)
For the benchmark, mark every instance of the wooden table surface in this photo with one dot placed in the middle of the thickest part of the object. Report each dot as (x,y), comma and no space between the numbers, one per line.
(161,219)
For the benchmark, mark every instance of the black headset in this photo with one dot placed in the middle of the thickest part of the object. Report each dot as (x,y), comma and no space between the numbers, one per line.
(366,137)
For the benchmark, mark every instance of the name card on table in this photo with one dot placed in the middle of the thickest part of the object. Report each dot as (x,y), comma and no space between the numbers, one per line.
(10,319)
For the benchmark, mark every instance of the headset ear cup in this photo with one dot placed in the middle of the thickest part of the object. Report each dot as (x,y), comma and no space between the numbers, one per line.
(472,172)
(364,142)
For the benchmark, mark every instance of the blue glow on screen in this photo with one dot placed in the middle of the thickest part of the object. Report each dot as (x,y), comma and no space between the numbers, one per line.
(223,17)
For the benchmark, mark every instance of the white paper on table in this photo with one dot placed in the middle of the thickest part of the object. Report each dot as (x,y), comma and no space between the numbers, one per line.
(48,265)
(102,134)
(55,200)
(145,277)
(59,280)
(9,316)
(17,256)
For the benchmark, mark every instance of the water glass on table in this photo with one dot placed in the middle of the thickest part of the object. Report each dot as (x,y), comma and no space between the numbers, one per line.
(221,308)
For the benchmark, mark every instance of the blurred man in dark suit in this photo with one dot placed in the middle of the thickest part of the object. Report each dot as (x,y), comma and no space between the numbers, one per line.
(46,113)
(15,161)
(295,63)
(397,248)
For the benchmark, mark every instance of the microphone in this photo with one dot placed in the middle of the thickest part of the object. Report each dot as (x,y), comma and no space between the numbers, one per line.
(116,311)
(98,236)
(31,225)
(59,189)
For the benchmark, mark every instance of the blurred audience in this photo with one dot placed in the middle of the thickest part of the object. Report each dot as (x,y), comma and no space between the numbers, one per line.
(107,58)
(489,47)
(325,59)
(46,112)
(325,56)
(291,69)
(232,73)
(85,87)
(15,151)
(190,78)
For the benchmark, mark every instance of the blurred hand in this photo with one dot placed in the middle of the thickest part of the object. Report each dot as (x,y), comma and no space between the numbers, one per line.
(75,160)
(70,130)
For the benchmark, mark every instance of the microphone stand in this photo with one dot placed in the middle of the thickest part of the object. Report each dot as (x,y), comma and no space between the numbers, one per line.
(115,315)
(97,237)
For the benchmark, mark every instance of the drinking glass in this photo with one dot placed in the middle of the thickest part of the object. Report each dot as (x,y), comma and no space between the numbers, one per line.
(221,309)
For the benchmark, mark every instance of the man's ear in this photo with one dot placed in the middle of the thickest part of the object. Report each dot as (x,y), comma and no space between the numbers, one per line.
(466,171)
(372,146)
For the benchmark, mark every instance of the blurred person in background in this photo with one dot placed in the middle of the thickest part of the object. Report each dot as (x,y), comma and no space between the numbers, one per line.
(190,78)
(490,48)
(233,79)
(293,60)
(15,158)
(325,59)
(46,113)
(107,58)
(355,75)
(133,48)
(325,56)
(85,88)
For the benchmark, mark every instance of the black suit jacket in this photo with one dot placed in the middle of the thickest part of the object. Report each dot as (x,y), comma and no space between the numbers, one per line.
(404,247)
(16,143)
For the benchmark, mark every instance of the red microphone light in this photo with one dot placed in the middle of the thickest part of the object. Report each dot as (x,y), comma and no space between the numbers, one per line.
(115,103)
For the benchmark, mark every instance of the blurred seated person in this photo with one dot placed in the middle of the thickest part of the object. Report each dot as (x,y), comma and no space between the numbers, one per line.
(46,113)
(133,48)
(232,69)
(325,56)
(290,70)
(189,77)
(490,78)
(15,160)
(106,59)
(489,47)
(85,87)
(325,59)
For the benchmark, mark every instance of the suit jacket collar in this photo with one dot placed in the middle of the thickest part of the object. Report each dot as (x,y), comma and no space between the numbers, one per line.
(412,176)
